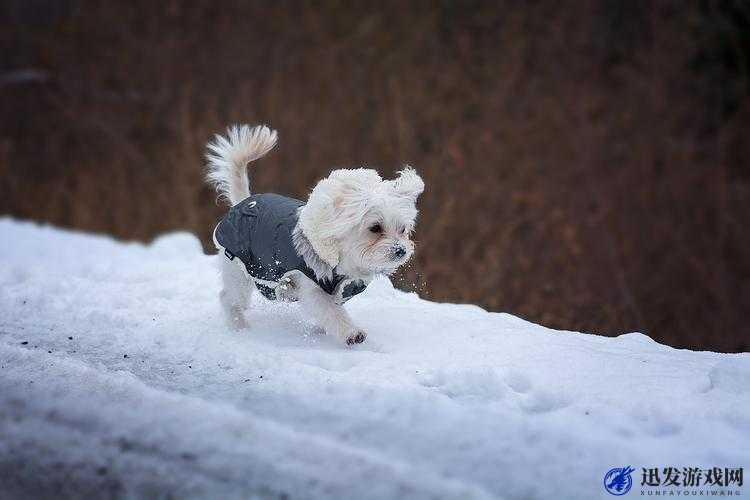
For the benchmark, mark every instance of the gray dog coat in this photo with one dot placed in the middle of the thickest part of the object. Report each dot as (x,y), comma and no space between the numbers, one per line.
(258,231)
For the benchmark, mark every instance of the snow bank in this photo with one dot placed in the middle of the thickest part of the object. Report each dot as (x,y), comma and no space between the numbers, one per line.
(118,377)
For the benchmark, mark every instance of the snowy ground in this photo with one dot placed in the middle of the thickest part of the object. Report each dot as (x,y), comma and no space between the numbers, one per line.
(118,378)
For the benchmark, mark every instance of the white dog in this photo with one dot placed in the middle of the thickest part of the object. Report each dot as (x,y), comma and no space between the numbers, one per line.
(353,227)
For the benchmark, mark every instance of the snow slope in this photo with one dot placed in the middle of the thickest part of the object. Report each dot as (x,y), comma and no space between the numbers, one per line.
(119,378)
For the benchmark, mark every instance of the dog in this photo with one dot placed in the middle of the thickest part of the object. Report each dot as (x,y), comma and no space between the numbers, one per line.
(353,226)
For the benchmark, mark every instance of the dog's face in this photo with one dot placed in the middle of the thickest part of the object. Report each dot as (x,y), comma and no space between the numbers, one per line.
(380,242)
(360,223)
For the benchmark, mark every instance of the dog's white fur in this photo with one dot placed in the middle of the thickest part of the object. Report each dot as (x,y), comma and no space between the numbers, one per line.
(335,228)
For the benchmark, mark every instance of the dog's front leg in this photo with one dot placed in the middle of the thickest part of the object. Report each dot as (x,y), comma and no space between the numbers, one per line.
(327,313)
(332,317)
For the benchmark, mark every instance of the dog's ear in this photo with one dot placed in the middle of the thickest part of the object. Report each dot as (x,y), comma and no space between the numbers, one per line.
(408,183)
(335,205)
(314,217)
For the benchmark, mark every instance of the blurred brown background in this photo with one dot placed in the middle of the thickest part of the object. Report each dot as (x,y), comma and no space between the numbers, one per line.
(586,162)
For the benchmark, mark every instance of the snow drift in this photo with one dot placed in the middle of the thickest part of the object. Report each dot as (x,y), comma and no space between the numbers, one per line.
(119,378)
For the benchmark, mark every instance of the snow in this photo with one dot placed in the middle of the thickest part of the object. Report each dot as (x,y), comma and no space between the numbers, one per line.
(154,396)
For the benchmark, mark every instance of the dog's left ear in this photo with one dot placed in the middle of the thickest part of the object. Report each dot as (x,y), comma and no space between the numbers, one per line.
(408,183)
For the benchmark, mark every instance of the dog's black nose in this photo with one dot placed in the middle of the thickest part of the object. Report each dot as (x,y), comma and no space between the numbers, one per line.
(399,252)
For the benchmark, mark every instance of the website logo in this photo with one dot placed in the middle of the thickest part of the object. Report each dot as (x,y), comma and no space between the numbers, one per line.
(675,481)
(618,480)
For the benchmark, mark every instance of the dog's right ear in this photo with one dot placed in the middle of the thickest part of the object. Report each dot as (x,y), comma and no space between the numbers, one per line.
(314,221)
(335,205)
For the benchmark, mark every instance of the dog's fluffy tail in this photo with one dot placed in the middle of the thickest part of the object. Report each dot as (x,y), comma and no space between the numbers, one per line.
(229,156)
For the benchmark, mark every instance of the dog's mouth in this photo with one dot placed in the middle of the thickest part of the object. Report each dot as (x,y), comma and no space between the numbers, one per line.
(391,267)
(377,261)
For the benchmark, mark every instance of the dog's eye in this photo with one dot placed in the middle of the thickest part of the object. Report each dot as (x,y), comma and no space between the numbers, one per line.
(403,230)
(376,228)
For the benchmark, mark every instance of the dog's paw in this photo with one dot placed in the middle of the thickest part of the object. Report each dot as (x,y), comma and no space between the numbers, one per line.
(236,319)
(238,323)
(356,337)
(288,288)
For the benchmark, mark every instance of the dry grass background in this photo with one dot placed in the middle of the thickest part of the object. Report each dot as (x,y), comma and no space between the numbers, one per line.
(586,162)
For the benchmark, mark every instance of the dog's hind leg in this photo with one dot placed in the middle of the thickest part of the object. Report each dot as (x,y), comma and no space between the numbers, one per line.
(236,292)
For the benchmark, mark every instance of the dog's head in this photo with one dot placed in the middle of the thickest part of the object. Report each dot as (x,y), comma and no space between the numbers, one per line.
(360,223)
